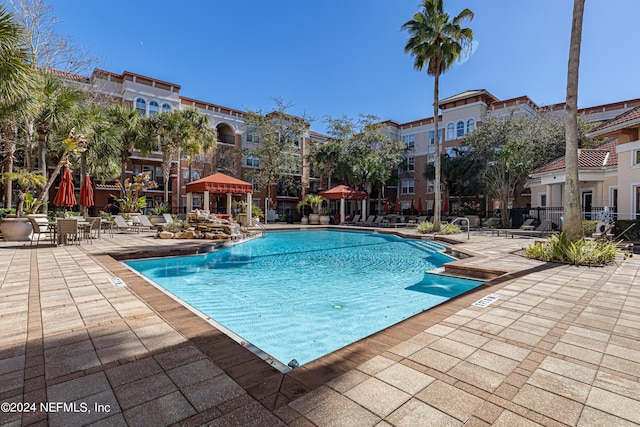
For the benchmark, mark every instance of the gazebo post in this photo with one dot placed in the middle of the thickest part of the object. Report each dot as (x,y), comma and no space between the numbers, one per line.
(229,203)
(364,209)
(206,201)
(342,214)
(189,202)
(249,203)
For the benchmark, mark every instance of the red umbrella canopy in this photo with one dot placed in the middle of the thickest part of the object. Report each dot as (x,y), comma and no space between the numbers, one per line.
(413,207)
(386,205)
(397,205)
(65,195)
(419,204)
(86,192)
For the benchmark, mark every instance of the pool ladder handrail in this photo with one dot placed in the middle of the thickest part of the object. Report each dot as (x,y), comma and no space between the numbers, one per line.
(461,218)
(255,221)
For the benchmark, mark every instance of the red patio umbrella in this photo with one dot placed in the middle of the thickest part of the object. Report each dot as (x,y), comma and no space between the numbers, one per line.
(419,204)
(386,205)
(397,205)
(65,195)
(413,208)
(86,192)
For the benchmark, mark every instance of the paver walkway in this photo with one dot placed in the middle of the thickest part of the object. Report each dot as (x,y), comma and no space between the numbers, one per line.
(559,347)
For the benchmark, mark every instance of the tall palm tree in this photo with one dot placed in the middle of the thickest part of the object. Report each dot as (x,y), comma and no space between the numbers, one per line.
(56,105)
(572,209)
(15,83)
(172,131)
(436,41)
(127,124)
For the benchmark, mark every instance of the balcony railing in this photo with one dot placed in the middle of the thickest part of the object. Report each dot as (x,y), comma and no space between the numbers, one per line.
(227,139)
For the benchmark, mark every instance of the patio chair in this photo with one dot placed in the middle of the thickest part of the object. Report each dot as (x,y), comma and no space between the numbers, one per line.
(168,219)
(369,220)
(40,226)
(68,231)
(545,227)
(527,225)
(145,224)
(353,221)
(603,231)
(121,225)
(92,230)
(375,222)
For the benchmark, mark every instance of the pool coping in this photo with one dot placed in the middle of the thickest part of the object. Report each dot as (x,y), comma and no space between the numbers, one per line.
(260,379)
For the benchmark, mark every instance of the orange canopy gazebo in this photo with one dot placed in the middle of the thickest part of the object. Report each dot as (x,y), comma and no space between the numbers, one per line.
(219,183)
(343,192)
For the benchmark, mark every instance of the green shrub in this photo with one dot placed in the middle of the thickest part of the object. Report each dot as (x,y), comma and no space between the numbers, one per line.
(160,209)
(176,225)
(450,229)
(424,227)
(583,252)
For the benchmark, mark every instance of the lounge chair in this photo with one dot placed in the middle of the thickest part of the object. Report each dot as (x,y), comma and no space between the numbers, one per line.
(121,224)
(92,230)
(527,225)
(353,221)
(145,224)
(369,220)
(375,222)
(544,228)
(168,219)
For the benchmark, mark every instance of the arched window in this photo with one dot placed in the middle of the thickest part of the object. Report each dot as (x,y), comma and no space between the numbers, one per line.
(153,108)
(451,131)
(166,107)
(471,125)
(460,129)
(141,106)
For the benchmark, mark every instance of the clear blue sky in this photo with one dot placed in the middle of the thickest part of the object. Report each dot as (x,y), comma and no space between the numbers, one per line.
(346,57)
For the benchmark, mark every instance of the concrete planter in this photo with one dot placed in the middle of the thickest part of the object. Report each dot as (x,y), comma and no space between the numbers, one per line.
(314,219)
(16,229)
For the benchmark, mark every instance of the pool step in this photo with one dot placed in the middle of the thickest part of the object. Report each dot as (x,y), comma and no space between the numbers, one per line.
(430,245)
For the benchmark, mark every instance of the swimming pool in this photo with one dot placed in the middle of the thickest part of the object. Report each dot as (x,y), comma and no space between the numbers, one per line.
(303,294)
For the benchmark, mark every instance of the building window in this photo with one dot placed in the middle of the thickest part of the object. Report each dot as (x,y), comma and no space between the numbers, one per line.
(149,169)
(543,200)
(252,137)
(166,107)
(432,134)
(153,108)
(460,129)
(637,201)
(409,141)
(471,125)
(410,165)
(636,157)
(408,186)
(141,106)
(253,181)
(451,131)
(253,161)
(431,186)
(431,158)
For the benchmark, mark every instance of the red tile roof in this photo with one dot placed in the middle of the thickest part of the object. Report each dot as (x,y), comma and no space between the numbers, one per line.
(628,116)
(602,155)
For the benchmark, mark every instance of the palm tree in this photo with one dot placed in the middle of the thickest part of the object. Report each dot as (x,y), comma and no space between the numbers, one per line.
(126,123)
(56,105)
(435,41)
(572,210)
(15,83)
(325,158)
(172,131)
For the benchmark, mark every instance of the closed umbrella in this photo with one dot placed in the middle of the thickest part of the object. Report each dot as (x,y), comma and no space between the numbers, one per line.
(65,195)
(397,205)
(86,192)
(413,207)
(419,204)
(386,205)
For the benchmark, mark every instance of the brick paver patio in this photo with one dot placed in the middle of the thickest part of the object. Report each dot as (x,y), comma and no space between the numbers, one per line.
(561,346)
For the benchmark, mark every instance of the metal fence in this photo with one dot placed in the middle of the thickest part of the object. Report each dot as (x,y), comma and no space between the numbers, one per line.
(553,214)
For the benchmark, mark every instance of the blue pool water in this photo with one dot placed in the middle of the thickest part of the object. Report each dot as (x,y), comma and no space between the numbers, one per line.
(303,294)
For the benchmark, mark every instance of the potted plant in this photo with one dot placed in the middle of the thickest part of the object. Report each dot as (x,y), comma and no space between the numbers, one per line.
(132,202)
(325,217)
(127,217)
(19,228)
(157,212)
(314,201)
